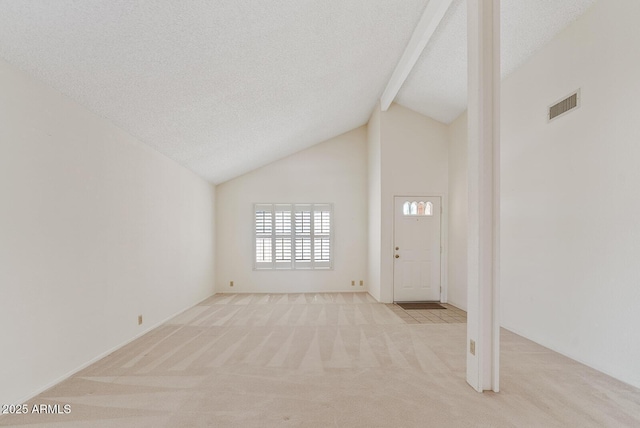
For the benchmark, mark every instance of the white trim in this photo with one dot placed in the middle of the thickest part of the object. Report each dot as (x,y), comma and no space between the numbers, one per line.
(444,240)
(313,264)
(540,341)
(105,354)
(431,18)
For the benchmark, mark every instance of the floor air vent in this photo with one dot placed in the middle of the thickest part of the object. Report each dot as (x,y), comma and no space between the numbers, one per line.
(565,105)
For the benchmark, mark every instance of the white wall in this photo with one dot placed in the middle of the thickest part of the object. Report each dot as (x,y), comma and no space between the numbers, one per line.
(334,171)
(571,194)
(458,205)
(95,229)
(414,159)
(374,168)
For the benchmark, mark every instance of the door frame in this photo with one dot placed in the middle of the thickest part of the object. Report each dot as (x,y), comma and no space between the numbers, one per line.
(444,239)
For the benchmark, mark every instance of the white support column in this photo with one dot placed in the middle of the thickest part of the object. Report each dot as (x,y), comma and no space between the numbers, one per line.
(483,324)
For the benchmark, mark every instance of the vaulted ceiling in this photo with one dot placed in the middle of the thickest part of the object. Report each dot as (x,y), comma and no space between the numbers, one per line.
(226,86)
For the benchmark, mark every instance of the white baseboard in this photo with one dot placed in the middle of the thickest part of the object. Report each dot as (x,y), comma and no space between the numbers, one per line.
(104,354)
(568,355)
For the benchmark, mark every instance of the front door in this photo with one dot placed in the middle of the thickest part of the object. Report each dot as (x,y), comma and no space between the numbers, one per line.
(416,270)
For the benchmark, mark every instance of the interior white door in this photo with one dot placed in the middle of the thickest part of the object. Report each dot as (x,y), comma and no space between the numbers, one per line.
(416,273)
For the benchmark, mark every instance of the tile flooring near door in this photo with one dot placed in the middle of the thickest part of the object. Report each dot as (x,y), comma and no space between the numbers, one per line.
(449,315)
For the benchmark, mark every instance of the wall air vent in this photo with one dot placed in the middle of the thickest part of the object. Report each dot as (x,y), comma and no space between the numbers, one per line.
(564,106)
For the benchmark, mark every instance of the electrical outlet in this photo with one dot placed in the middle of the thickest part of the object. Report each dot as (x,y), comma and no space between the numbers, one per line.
(230,283)
(139,319)
(472,347)
(361,283)
(353,283)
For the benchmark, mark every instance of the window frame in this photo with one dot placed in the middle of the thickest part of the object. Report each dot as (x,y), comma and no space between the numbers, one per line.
(294,236)
(408,208)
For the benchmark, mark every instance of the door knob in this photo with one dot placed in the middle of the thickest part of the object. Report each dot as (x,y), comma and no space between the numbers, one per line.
(397,256)
(397,248)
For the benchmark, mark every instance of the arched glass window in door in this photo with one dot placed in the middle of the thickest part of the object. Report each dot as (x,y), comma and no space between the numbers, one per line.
(428,208)
(415,208)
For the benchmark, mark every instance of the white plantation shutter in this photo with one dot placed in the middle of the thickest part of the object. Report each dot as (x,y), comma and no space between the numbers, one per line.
(322,236)
(303,250)
(293,236)
(304,238)
(264,236)
(282,225)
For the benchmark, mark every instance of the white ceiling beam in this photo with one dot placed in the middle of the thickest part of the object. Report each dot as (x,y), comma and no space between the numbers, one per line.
(431,18)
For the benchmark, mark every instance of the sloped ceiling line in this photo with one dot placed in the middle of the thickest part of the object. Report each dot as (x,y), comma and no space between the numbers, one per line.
(431,18)
(227,86)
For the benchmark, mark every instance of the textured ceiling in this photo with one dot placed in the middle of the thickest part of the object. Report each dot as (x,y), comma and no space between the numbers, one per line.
(226,86)
(437,85)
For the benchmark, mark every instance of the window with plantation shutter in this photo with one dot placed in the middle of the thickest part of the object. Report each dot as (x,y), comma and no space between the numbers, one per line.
(293,236)
(264,236)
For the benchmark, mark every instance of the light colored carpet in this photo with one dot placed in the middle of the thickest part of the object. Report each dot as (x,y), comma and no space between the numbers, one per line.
(323,360)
